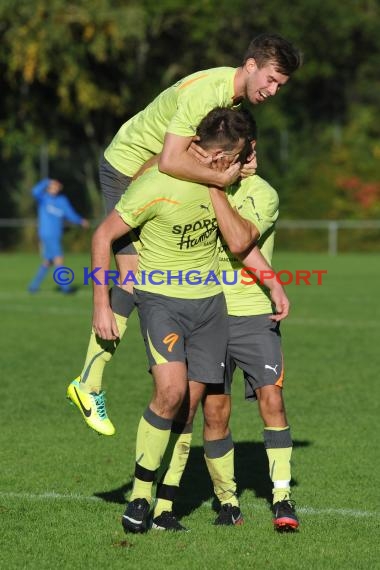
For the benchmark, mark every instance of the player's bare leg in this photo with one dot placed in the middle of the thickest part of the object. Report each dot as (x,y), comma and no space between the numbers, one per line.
(279,446)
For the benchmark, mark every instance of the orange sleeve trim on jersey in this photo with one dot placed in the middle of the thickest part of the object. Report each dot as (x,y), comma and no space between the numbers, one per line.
(140,210)
(187,83)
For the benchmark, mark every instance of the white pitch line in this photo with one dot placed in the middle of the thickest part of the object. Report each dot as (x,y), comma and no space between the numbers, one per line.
(47,496)
(255,506)
(343,512)
(312,511)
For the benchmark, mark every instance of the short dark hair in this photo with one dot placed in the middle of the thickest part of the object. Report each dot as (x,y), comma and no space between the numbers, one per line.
(267,48)
(223,127)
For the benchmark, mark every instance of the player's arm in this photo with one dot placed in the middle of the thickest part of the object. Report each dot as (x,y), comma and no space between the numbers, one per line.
(40,188)
(72,215)
(264,208)
(113,227)
(194,150)
(239,234)
(176,161)
(256,263)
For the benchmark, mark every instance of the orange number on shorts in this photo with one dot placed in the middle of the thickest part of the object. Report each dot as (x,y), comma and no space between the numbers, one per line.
(171,339)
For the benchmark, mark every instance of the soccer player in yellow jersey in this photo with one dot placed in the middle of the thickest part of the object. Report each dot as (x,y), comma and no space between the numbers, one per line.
(168,126)
(246,215)
(254,345)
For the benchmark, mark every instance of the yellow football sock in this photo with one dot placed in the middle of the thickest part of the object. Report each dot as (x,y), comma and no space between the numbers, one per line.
(152,439)
(219,456)
(172,469)
(99,352)
(279,449)
(281,494)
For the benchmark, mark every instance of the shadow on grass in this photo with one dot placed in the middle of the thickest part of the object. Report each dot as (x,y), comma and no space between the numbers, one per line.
(72,290)
(251,471)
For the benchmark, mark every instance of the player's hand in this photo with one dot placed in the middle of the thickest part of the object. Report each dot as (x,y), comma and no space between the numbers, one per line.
(281,302)
(220,163)
(104,323)
(250,167)
(199,154)
(231,174)
(85,224)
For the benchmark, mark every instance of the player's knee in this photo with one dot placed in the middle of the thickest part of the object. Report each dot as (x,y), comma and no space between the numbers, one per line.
(271,401)
(216,414)
(215,423)
(170,400)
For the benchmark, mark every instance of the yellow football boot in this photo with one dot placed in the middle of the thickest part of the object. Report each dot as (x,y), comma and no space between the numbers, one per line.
(92,407)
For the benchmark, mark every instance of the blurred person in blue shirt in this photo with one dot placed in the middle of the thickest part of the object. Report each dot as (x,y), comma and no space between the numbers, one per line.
(53,210)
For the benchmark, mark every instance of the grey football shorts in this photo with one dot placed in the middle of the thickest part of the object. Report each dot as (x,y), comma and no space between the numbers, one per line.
(185,330)
(254,346)
(113,184)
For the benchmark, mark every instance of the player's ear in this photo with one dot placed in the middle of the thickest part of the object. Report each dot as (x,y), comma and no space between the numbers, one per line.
(250,65)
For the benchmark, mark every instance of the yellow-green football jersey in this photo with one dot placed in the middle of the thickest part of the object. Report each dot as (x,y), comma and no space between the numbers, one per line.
(178,256)
(256,201)
(177,110)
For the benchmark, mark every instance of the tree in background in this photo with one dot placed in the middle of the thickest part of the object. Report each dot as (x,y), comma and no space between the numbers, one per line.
(72,73)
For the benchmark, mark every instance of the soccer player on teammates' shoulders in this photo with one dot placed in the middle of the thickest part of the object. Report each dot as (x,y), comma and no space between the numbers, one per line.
(167,126)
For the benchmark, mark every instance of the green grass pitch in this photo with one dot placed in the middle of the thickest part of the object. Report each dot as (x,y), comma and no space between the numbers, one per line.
(63,488)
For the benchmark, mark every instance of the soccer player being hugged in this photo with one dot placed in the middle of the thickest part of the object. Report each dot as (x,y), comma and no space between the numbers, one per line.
(246,214)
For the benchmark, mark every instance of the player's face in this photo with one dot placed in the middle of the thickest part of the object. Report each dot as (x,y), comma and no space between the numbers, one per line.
(263,82)
(54,187)
(230,156)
